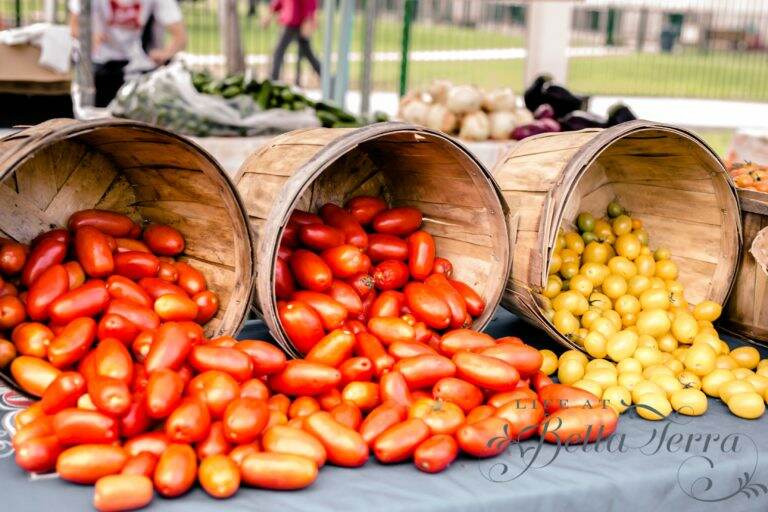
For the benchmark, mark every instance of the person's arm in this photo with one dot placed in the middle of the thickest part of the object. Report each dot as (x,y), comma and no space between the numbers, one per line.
(176,43)
(274,7)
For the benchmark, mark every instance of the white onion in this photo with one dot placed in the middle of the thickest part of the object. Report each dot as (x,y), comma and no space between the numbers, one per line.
(475,126)
(415,112)
(464,99)
(439,91)
(502,124)
(523,116)
(440,118)
(500,100)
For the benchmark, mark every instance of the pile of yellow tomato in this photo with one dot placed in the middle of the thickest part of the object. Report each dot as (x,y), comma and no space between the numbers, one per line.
(621,302)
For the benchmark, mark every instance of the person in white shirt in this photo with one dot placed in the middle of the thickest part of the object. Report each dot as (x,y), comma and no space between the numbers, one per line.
(117,27)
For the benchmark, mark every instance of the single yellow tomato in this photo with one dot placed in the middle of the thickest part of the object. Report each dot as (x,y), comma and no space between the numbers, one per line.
(548,361)
(666,269)
(565,322)
(654,322)
(595,272)
(707,310)
(638,284)
(614,286)
(689,380)
(748,405)
(688,401)
(654,298)
(603,326)
(648,356)
(629,365)
(570,371)
(733,387)
(603,376)
(626,304)
(553,287)
(581,284)
(599,301)
(617,397)
(646,265)
(685,328)
(573,354)
(622,225)
(746,357)
(622,266)
(667,342)
(628,246)
(700,359)
(653,406)
(588,385)
(668,383)
(621,345)
(662,253)
(554,263)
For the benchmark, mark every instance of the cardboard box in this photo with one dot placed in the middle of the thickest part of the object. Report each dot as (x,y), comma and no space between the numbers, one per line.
(21,73)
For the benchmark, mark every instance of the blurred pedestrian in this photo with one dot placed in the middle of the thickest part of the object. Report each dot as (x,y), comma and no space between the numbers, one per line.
(299,22)
(118,30)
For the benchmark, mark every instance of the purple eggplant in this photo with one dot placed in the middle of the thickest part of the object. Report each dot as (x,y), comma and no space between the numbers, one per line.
(579,120)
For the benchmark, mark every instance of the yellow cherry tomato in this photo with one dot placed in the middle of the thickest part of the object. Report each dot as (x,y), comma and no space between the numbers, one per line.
(662,253)
(707,310)
(553,287)
(689,380)
(726,362)
(565,322)
(603,230)
(595,343)
(581,284)
(746,357)
(568,269)
(595,272)
(667,342)
(588,318)
(654,298)
(685,328)
(646,265)
(749,406)
(599,301)
(603,376)
(700,359)
(548,361)
(588,385)
(688,401)
(626,304)
(573,354)
(574,242)
(622,225)
(653,406)
(629,365)
(614,286)
(628,246)
(758,382)
(645,387)
(673,364)
(621,345)
(638,284)
(628,320)
(643,236)
(733,387)
(647,356)
(654,322)
(604,326)
(646,340)
(668,383)
(614,317)
(622,266)
(554,263)
(617,397)
(666,269)
(570,371)
(711,382)
(742,373)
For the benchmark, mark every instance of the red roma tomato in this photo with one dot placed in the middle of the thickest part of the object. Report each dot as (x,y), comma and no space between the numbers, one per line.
(421,254)
(559,396)
(344,446)
(399,441)
(29,415)
(427,306)
(170,348)
(163,393)
(364,395)
(311,272)
(254,388)
(387,247)
(331,312)
(110,396)
(176,470)
(578,425)
(219,476)
(282,439)
(141,317)
(279,471)
(156,288)
(365,208)
(518,394)
(339,218)
(168,272)
(540,380)
(47,252)
(485,372)
(93,251)
(190,280)
(424,371)
(301,377)
(143,464)
(52,283)
(32,339)
(526,359)
(442,266)
(72,343)
(345,260)
(346,295)
(475,303)
(284,252)
(88,300)
(301,323)
(163,240)
(290,237)
(284,283)
(441,417)
(79,426)
(388,303)
(240,452)
(266,358)
(390,275)
(303,406)
(7,288)
(348,414)
(356,369)
(320,237)
(397,221)
(112,359)
(394,388)
(329,399)
(151,442)
(12,312)
(225,359)
(63,392)
(175,308)
(215,443)
(380,419)
(136,420)
(465,339)
(136,265)
(60,235)
(87,463)
(390,330)
(42,427)
(362,284)
(129,244)
(216,389)
(457,391)
(38,455)
(402,349)
(109,223)
(523,415)
(189,422)
(244,419)
(303,218)
(117,327)
(7,353)
(13,255)
(369,346)
(485,438)
(332,349)
(279,402)
(436,453)
(114,493)
(454,300)
(207,306)
(120,287)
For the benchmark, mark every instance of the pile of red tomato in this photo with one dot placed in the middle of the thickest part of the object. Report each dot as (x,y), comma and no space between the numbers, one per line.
(134,398)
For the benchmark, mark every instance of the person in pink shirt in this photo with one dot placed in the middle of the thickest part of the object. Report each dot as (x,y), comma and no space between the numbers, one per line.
(299,22)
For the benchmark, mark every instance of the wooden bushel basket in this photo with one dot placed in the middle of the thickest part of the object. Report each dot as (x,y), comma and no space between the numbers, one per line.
(61,166)
(666,176)
(747,311)
(406,165)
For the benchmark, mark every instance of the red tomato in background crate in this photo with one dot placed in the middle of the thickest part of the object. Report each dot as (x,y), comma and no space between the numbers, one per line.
(163,240)
(301,323)
(284,282)
(110,223)
(310,270)
(344,260)
(120,287)
(388,303)
(390,275)
(426,305)
(320,237)
(453,299)
(337,217)
(365,208)
(87,300)
(136,265)
(13,255)
(49,251)
(475,303)
(387,247)
(93,251)
(331,312)
(347,296)
(397,221)
(421,254)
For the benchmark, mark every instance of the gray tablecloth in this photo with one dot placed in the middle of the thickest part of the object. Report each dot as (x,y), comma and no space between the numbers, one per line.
(713,463)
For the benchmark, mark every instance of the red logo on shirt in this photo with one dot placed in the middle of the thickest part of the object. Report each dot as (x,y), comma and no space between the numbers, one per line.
(125,15)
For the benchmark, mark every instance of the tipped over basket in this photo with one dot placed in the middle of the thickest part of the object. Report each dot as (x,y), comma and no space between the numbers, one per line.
(404,164)
(666,176)
(56,168)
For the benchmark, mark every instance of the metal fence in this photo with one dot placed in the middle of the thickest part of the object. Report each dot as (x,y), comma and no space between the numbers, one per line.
(681,48)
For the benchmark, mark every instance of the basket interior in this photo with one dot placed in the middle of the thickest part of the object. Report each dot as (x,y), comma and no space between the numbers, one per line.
(461,207)
(678,188)
(151,177)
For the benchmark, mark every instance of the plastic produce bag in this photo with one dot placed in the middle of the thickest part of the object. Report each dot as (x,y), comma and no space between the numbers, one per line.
(167,98)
